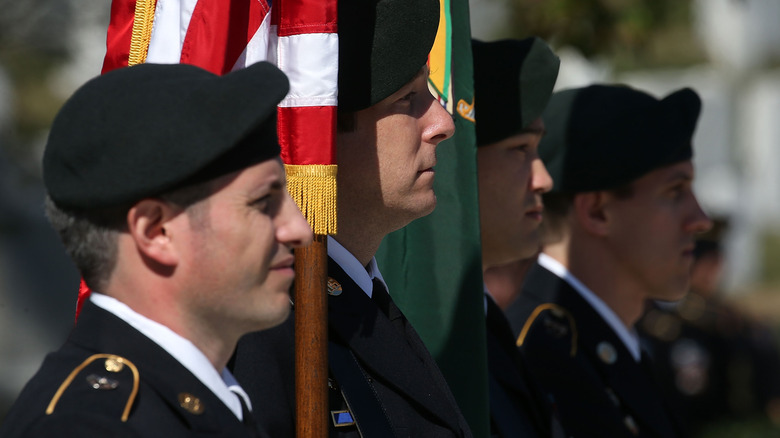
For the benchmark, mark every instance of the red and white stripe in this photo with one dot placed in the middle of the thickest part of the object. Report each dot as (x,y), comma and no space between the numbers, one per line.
(299,36)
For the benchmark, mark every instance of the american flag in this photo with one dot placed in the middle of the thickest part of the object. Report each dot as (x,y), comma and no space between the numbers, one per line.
(299,36)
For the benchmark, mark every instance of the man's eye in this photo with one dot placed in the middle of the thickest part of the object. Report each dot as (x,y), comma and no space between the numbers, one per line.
(262,204)
(408,97)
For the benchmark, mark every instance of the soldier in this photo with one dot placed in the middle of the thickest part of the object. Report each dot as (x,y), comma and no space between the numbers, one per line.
(620,224)
(513,81)
(716,362)
(383,381)
(178,219)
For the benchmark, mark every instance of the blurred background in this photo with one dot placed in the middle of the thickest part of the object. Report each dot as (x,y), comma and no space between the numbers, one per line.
(727,50)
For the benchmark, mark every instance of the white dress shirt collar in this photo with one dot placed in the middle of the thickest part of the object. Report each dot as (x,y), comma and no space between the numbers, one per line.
(629,337)
(222,384)
(362,276)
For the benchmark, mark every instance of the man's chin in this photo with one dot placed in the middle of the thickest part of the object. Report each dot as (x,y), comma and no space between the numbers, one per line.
(280,316)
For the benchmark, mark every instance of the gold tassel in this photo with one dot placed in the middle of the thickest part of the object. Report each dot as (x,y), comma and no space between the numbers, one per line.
(142,31)
(313,187)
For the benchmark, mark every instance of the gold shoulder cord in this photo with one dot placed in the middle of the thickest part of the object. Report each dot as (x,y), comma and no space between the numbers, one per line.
(535,314)
(142,31)
(114,363)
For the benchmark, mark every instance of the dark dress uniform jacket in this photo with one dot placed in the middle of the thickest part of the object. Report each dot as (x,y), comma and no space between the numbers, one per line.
(380,372)
(597,387)
(518,407)
(170,401)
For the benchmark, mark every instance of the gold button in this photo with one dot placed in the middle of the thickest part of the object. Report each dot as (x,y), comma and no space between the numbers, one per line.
(114,364)
(606,352)
(190,403)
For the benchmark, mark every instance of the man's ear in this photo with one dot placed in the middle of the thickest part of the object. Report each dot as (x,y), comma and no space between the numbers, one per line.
(150,227)
(590,212)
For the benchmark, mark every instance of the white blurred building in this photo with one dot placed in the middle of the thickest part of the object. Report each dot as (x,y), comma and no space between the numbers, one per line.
(737,143)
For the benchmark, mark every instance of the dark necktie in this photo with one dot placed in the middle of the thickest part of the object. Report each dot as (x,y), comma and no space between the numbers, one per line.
(386,305)
(249,420)
(380,296)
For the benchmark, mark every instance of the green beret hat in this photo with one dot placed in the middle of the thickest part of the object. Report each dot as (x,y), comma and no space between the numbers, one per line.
(513,81)
(140,131)
(383,44)
(604,136)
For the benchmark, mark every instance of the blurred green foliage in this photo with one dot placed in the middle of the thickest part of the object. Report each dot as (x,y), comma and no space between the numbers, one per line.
(748,428)
(770,256)
(632,33)
(34,42)
(33,101)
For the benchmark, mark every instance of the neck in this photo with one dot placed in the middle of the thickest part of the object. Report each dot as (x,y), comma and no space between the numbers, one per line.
(505,282)
(360,232)
(595,266)
(362,246)
(163,307)
(213,343)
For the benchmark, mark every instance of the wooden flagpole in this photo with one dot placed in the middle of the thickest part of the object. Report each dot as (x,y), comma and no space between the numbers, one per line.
(311,339)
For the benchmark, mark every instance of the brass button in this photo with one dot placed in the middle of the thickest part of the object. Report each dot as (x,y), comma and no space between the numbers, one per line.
(114,364)
(606,352)
(190,403)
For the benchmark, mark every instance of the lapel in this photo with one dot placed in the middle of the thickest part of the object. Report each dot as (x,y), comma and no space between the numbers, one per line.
(596,339)
(103,332)
(355,320)
(507,368)
(503,359)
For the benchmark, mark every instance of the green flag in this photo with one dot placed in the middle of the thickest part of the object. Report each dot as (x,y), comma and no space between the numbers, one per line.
(433,266)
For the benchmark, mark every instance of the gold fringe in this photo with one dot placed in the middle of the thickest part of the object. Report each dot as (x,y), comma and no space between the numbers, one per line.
(142,31)
(313,187)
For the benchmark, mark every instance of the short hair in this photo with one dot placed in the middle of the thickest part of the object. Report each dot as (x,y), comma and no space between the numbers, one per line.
(90,237)
(557,206)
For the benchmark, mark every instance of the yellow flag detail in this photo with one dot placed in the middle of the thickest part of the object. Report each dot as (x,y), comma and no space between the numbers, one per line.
(142,31)
(313,187)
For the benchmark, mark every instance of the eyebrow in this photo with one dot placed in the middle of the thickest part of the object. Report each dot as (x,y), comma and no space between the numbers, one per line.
(540,131)
(266,188)
(680,176)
